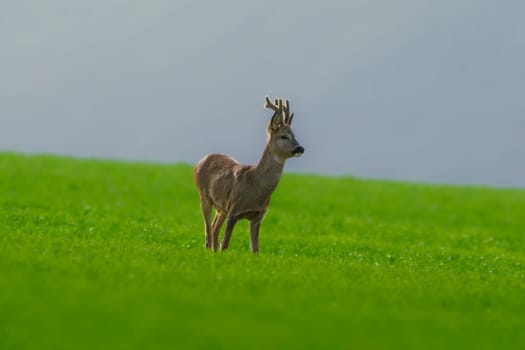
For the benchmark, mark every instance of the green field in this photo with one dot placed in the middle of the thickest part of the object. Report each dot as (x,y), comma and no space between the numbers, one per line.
(109,255)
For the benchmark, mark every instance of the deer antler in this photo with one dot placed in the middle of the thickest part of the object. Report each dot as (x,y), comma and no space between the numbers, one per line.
(287,116)
(277,106)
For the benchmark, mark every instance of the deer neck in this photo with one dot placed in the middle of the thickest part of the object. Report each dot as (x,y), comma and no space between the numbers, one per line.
(269,169)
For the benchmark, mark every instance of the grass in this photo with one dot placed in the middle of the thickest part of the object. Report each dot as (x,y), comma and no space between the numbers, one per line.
(108,255)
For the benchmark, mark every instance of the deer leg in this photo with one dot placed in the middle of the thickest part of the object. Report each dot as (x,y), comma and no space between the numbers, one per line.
(230,223)
(215,229)
(254,235)
(206,208)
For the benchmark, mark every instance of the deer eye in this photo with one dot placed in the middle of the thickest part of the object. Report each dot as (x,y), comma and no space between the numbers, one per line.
(284,137)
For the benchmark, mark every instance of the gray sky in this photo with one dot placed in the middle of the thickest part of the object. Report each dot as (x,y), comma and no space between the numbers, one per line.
(417,90)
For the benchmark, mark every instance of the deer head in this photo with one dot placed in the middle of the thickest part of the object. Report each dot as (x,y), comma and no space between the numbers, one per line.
(281,139)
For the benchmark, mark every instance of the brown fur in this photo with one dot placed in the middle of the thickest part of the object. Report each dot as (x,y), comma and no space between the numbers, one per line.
(243,191)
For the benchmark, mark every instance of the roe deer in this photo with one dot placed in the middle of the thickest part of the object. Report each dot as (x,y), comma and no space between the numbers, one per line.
(243,191)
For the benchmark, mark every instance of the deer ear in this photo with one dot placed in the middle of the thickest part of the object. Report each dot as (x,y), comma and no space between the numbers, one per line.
(276,122)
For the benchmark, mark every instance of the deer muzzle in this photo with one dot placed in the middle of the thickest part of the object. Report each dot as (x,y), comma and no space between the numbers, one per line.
(298,151)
